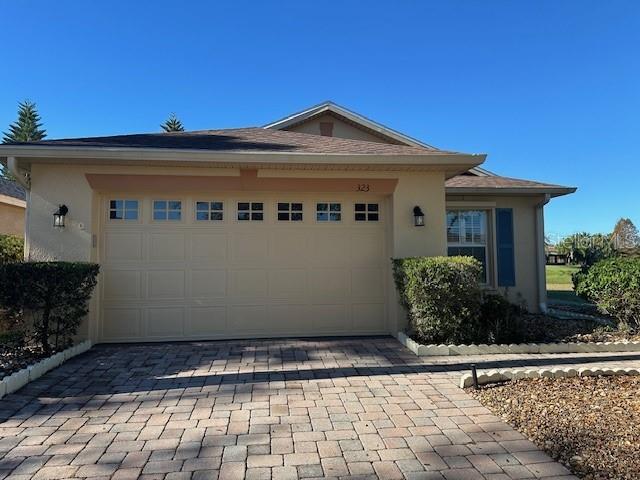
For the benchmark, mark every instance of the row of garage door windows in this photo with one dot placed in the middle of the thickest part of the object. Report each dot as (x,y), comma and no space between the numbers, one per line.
(246,211)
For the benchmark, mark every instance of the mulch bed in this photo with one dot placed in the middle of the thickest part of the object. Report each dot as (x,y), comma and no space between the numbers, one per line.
(590,424)
(11,362)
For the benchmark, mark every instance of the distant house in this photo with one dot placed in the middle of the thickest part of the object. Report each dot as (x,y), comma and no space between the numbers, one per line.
(554,257)
(12,208)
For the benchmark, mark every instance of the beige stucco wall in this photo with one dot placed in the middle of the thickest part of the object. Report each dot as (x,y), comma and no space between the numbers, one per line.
(11,219)
(524,218)
(340,129)
(52,185)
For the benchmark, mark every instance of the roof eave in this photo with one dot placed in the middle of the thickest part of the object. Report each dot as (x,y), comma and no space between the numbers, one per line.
(454,161)
(528,191)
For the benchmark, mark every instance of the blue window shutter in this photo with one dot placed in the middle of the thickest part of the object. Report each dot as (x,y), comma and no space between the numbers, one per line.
(506,254)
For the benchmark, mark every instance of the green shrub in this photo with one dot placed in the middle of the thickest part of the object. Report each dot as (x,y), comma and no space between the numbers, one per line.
(441,294)
(500,321)
(55,295)
(11,248)
(614,286)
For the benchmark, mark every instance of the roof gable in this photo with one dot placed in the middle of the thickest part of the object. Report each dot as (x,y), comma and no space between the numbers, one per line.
(351,125)
(345,115)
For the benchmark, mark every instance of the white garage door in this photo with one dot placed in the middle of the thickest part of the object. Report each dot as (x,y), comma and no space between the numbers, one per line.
(236,266)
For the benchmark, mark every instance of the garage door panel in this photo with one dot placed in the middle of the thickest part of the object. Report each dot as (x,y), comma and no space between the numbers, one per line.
(248,318)
(196,279)
(122,323)
(369,317)
(367,282)
(209,283)
(166,247)
(330,318)
(165,322)
(288,283)
(290,247)
(329,284)
(122,284)
(247,248)
(330,249)
(123,247)
(209,247)
(249,284)
(166,284)
(290,319)
(205,320)
(367,248)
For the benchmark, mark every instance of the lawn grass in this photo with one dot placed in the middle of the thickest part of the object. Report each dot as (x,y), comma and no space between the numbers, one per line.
(560,285)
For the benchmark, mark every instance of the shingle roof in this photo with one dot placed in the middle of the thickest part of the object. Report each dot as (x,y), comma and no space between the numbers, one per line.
(11,189)
(243,140)
(497,183)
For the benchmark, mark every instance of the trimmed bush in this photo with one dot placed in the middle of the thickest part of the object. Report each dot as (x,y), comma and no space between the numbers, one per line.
(55,295)
(442,296)
(614,286)
(11,249)
(500,321)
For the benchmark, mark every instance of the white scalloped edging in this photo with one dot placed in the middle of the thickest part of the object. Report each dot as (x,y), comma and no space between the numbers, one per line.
(19,379)
(494,349)
(493,376)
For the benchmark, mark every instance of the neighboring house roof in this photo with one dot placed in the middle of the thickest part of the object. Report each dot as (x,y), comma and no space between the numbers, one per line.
(470,184)
(242,140)
(12,193)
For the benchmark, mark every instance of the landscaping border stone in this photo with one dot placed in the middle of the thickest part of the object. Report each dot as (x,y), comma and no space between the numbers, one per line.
(495,349)
(19,379)
(494,376)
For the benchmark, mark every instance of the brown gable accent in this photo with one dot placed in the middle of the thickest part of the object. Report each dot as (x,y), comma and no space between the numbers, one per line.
(326,129)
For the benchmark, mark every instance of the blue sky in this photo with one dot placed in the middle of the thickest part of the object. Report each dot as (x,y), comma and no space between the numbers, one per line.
(550,90)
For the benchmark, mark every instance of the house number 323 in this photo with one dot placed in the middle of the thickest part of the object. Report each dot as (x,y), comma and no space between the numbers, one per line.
(363,187)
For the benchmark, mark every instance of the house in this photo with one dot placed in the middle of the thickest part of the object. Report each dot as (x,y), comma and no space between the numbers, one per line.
(12,208)
(554,257)
(281,230)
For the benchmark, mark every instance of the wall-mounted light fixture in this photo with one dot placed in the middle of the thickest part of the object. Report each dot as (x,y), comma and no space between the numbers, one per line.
(58,216)
(418,216)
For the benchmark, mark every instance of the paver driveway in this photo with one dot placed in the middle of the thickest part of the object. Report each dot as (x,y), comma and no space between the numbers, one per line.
(352,408)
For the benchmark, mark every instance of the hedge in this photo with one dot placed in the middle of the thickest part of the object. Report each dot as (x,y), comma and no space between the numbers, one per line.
(614,286)
(53,295)
(11,248)
(442,296)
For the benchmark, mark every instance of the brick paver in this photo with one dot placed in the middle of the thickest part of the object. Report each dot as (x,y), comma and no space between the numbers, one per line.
(341,408)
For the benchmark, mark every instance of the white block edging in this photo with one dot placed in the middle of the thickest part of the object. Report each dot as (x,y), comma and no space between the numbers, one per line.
(503,349)
(493,376)
(19,379)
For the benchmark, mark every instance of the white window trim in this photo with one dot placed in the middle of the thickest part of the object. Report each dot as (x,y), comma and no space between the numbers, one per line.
(209,211)
(250,211)
(167,219)
(123,199)
(367,212)
(289,211)
(489,245)
(328,220)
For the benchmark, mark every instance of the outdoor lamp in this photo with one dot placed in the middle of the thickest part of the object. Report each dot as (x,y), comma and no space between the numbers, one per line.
(418,217)
(58,216)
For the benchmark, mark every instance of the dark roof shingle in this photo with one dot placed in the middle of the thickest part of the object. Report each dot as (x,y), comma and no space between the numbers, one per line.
(497,183)
(12,189)
(243,140)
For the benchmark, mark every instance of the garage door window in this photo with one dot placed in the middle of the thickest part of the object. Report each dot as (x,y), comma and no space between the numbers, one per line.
(123,209)
(250,211)
(328,212)
(167,210)
(209,211)
(289,212)
(366,212)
